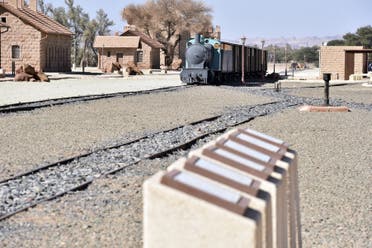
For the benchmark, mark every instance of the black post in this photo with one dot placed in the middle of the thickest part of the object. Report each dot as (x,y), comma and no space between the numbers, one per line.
(326,78)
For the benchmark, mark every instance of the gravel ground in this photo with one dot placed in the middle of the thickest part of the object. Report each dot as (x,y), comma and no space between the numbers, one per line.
(335,186)
(334,173)
(351,93)
(47,135)
(335,190)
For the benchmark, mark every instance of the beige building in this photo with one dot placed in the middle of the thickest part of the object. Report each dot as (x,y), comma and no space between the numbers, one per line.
(342,61)
(130,46)
(33,38)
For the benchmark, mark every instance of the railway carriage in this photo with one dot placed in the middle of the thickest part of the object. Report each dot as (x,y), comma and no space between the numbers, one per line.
(209,60)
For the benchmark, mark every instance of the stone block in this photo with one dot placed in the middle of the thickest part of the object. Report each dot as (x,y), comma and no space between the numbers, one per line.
(175,218)
(245,163)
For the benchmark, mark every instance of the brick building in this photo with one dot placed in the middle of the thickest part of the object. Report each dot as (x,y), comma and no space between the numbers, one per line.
(342,61)
(130,46)
(33,38)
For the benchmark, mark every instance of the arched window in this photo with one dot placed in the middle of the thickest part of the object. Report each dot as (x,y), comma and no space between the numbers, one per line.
(16,52)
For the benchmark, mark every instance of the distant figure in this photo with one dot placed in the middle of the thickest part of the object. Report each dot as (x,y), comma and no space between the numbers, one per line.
(294,66)
(370,66)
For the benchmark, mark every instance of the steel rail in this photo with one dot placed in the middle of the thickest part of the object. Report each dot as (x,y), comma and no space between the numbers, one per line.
(29,106)
(84,185)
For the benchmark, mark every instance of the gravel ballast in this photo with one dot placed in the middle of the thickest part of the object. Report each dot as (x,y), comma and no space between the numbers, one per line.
(51,134)
(334,175)
(334,187)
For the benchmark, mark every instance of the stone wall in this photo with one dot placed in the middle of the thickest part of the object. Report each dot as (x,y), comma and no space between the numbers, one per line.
(104,60)
(22,35)
(55,53)
(147,57)
(151,57)
(45,52)
(333,59)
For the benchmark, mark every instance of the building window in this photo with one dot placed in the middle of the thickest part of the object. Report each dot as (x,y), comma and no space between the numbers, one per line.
(139,56)
(119,57)
(16,52)
(109,54)
(3,19)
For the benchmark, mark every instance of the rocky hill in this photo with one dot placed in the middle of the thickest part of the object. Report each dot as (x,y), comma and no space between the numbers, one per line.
(294,42)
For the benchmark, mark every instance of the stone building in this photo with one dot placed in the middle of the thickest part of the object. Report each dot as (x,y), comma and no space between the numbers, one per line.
(130,46)
(33,38)
(342,61)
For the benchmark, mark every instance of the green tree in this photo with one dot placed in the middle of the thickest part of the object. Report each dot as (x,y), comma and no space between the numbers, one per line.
(98,26)
(103,23)
(352,39)
(336,43)
(307,55)
(165,20)
(362,37)
(84,29)
(88,37)
(59,14)
(44,8)
(78,21)
(365,36)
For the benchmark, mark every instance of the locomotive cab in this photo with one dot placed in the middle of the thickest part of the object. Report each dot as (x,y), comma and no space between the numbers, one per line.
(200,60)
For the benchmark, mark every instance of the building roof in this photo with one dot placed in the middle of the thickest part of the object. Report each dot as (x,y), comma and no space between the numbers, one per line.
(364,50)
(38,20)
(148,40)
(116,42)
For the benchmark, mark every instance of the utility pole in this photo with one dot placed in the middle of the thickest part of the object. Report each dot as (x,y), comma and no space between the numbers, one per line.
(262,58)
(243,39)
(285,58)
(274,57)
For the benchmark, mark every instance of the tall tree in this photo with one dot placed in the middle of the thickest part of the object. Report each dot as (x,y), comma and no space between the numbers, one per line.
(78,21)
(165,20)
(59,14)
(98,26)
(84,29)
(365,36)
(362,37)
(336,43)
(351,39)
(88,37)
(103,23)
(45,8)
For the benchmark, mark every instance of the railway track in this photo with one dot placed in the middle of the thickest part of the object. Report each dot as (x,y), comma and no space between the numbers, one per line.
(51,181)
(29,106)
(55,180)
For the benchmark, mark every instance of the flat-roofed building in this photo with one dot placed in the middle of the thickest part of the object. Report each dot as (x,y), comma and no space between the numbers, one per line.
(343,61)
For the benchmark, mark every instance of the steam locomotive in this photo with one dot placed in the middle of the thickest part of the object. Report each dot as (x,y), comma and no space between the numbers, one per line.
(211,61)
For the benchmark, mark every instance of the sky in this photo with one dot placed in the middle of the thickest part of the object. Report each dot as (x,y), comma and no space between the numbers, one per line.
(263,18)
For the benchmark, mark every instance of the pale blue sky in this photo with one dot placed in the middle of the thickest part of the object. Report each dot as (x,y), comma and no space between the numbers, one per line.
(264,18)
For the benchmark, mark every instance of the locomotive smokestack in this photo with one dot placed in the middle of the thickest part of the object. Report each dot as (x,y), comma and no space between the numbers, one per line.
(197,38)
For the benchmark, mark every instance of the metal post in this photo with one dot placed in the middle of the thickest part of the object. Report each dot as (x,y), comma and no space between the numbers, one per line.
(274,57)
(285,57)
(262,58)
(326,78)
(243,39)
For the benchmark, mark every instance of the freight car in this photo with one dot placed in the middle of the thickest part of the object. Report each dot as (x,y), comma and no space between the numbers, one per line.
(209,61)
